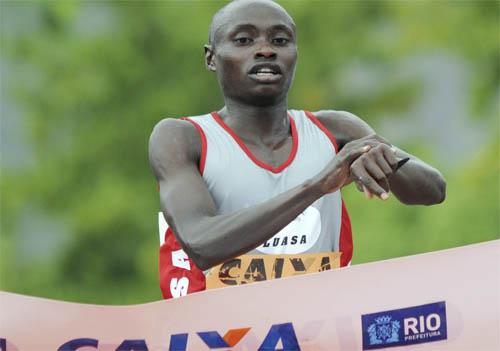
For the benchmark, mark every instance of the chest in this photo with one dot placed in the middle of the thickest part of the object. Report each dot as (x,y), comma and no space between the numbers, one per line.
(240,175)
(237,179)
(274,154)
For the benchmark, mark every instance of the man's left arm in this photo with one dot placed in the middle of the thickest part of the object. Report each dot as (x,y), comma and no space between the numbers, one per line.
(415,183)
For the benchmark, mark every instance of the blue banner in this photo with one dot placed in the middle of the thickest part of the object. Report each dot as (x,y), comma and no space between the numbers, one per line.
(405,326)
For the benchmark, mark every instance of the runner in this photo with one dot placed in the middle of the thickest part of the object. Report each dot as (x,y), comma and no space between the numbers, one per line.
(258,178)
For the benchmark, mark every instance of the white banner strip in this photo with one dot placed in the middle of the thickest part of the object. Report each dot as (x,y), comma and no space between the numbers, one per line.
(446,300)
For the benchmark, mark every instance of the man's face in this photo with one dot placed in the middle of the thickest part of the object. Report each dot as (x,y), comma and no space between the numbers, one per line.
(254,53)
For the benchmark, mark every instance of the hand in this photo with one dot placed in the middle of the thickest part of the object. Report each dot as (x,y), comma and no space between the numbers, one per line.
(371,170)
(338,172)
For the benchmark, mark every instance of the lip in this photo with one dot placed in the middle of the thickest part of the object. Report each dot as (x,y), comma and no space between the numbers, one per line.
(272,66)
(266,78)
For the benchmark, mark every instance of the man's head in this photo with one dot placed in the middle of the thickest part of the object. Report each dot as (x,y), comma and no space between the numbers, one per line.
(252,49)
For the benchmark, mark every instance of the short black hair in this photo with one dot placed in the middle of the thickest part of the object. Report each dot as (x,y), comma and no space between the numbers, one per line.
(213,24)
(215,17)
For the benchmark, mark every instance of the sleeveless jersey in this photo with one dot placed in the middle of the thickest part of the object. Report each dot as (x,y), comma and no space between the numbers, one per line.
(236,179)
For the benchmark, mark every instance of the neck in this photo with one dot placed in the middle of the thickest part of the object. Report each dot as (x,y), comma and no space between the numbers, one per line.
(252,122)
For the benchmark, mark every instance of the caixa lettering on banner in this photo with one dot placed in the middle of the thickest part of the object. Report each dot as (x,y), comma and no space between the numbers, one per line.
(179,342)
(406,326)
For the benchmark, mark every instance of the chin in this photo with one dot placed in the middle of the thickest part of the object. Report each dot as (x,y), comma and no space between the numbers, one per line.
(264,99)
(266,96)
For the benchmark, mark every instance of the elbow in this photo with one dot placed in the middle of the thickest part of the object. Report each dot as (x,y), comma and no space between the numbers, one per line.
(431,193)
(199,246)
(198,253)
(439,191)
(201,262)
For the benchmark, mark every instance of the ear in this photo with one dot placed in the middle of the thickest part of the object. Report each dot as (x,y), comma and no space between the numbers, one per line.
(209,58)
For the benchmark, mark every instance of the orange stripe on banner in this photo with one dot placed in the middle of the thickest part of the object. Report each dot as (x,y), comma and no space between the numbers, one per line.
(233,336)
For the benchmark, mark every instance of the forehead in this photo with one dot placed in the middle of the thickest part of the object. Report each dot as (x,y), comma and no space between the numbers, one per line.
(261,14)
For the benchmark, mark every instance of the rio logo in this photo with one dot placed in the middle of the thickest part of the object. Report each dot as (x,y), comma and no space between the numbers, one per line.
(212,339)
(405,326)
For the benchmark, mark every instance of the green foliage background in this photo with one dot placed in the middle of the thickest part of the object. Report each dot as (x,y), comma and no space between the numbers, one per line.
(89,80)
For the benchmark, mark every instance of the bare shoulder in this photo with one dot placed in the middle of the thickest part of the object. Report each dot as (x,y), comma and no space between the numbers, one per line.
(345,126)
(173,141)
(173,128)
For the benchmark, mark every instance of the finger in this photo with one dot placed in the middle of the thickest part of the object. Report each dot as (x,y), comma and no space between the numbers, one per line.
(385,184)
(360,173)
(382,162)
(375,170)
(380,171)
(390,157)
(366,141)
(362,188)
(351,155)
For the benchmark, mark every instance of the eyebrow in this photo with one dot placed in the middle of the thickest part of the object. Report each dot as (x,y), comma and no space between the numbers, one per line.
(242,27)
(252,27)
(283,27)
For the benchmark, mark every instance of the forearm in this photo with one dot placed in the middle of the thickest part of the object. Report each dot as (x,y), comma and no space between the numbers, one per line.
(417,183)
(209,240)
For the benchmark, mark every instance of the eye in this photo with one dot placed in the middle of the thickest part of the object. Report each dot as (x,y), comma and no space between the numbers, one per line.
(243,41)
(280,41)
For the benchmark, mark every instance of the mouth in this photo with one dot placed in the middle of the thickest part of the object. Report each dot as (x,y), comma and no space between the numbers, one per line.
(265,73)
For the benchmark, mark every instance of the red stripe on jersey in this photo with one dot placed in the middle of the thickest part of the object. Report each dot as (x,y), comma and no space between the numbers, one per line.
(179,275)
(345,241)
(203,156)
(246,150)
(320,125)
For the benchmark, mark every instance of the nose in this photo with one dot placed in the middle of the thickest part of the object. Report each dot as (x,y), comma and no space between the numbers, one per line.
(265,51)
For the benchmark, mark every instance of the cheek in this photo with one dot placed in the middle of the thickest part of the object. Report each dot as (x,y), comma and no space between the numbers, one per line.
(230,61)
(228,66)
(228,70)
(291,58)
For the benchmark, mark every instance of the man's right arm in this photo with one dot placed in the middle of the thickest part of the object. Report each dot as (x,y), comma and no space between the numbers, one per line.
(207,237)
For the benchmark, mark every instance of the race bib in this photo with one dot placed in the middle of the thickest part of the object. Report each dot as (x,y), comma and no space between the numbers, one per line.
(298,236)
